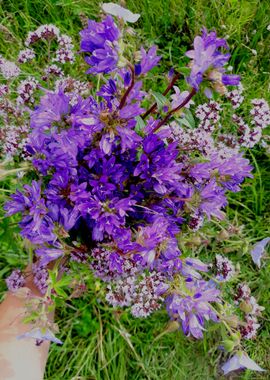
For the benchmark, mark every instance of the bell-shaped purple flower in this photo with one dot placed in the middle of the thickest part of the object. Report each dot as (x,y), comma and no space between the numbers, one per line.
(100,39)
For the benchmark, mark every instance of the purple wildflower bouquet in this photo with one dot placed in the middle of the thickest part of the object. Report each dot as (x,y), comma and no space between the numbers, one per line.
(117,175)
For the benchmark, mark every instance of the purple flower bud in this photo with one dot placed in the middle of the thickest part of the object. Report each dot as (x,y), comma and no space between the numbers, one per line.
(231,80)
(138,69)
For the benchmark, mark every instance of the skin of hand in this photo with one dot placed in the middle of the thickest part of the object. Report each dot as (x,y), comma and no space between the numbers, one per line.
(19,359)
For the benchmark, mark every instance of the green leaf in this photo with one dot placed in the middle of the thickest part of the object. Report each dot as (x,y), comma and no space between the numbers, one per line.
(64,281)
(60,291)
(188,120)
(139,128)
(53,276)
(160,99)
(31,318)
(184,70)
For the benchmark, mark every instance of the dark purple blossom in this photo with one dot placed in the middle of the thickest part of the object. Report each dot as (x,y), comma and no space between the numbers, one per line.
(35,225)
(158,247)
(108,214)
(231,79)
(158,166)
(52,108)
(230,172)
(47,255)
(100,39)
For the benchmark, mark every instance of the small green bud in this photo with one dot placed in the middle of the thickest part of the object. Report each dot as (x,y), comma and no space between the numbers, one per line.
(229,249)
(172,326)
(223,235)
(232,320)
(195,241)
(245,307)
(236,337)
(228,345)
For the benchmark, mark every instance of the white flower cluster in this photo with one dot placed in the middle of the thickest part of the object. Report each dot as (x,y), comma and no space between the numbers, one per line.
(227,146)
(9,69)
(65,52)
(252,310)
(191,139)
(53,70)
(224,267)
(26,55)
(147,299)
(143,295)
(208,114)
(102,268)
(248,137)
(3,89)
(260,113)
(121,293)
(63,56)
(43,32)
(15,139)
(65,41)
(235,96)
(249,331)
(26,90)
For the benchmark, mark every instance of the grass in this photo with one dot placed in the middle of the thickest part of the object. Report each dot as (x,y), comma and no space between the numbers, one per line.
(99,343)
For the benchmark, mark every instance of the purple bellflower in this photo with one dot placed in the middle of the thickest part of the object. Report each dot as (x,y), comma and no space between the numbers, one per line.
(240,361)
(39,335)
(258,251)
(195,307)
(100,39)
(207,55)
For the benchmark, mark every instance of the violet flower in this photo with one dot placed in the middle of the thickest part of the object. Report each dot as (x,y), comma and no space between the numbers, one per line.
(149,59)
(240,361)
(100,39)
(40,335)
(207,55)
(195,307)
(258,251)
(212,200)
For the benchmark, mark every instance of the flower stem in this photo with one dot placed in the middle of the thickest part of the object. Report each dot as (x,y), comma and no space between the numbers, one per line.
(170,113)
(154,106)
(124,98)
